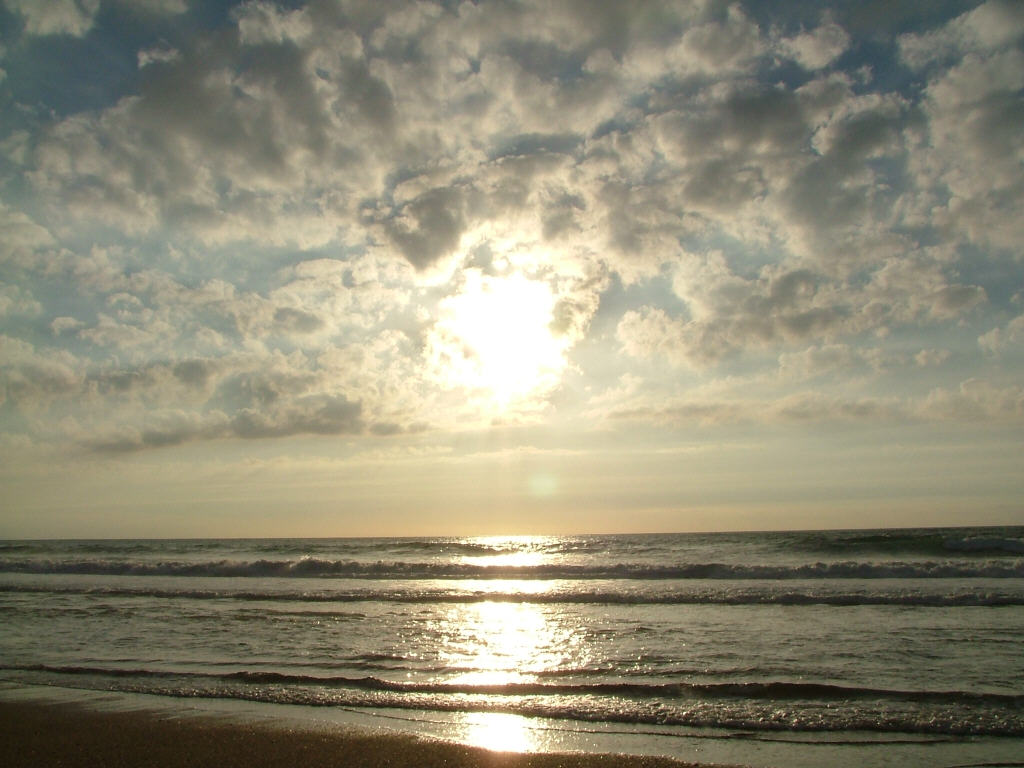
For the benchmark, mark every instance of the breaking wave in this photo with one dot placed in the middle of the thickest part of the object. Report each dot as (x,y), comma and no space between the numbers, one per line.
(308,567)
(757,706)
(899,597)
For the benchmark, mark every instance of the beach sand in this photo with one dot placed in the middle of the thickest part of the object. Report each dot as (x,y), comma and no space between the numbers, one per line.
(69,735)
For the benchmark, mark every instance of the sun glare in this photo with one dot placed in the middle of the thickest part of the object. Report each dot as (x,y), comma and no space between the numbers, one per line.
(499,644)
(510,551)
(495,335)
(499,731)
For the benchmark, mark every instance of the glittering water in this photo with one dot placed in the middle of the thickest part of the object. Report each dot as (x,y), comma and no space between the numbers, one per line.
(911,636)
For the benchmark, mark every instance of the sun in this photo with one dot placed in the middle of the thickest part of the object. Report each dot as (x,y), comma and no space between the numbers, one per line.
(495,335)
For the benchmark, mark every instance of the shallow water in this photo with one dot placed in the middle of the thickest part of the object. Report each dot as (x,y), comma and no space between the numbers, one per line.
(760,644)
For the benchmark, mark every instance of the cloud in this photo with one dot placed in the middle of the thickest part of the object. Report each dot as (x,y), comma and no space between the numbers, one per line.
(429,227)
(975,69)
(17,301)
(61,325)
(818,48)
(56,17)
(220,148)
(165,428)
(76,17)
(707,42)
(23,238)
(823,360)
(296,320)
(261,236)
(975,400)
(165,7)
(792,409)
(931,357)
(719,46)
(989,26)
(31,379)
(998,339)
(954,300)
(306,415)
(728,313)
(262,22)
(313,414)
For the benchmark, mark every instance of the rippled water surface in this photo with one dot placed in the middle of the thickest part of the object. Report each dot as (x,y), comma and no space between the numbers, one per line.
(889,635)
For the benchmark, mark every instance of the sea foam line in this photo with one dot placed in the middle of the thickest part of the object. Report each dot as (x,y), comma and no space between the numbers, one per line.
(349,569)
(731,597)
(761,690)
(945,715)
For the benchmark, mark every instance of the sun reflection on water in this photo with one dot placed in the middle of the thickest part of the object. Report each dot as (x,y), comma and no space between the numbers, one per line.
(518,588)
(511,551)
(500,643)
(507,559)
(499,731)
(489,647)
(495,645)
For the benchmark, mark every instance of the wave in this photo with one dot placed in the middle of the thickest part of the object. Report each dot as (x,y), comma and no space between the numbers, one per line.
(444,547)
(984,544)
(310,567)
(770,690)
(925,542)
(934,542)
(905,598)
(754,706)
(437,547)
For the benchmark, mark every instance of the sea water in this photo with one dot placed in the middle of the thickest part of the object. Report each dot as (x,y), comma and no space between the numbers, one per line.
(883,647)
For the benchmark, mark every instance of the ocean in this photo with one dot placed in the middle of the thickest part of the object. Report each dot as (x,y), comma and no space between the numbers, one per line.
(882,647)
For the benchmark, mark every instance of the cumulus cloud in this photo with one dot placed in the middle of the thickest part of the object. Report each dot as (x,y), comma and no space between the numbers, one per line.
(76,17)
(59,17)
(23,238)
(818,48)
(991,25)
(975,400)
(263,235)
(17,301)
(429,227)
(972,101)
(831,359)
(999,338)
(319,414)
(32,379)
(728,312)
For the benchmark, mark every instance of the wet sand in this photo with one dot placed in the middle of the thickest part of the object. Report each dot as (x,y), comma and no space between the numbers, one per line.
(69,735)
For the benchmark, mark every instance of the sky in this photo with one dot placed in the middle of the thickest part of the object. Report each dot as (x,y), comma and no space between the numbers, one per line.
(461,268)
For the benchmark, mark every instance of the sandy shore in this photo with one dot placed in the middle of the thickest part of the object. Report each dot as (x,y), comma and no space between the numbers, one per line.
(68,735)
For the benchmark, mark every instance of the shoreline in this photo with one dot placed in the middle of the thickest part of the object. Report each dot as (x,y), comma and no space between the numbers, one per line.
(72,734)
(80,727)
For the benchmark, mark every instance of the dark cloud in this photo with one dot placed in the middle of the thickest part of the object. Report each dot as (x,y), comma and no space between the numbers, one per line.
(799,407)
(33,383)
(952,300)
(194,372)
(296,320)
(314,414)
(429,226)
(386,428)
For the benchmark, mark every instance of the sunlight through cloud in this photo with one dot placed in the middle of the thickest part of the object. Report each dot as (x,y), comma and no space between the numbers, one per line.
(495,335)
